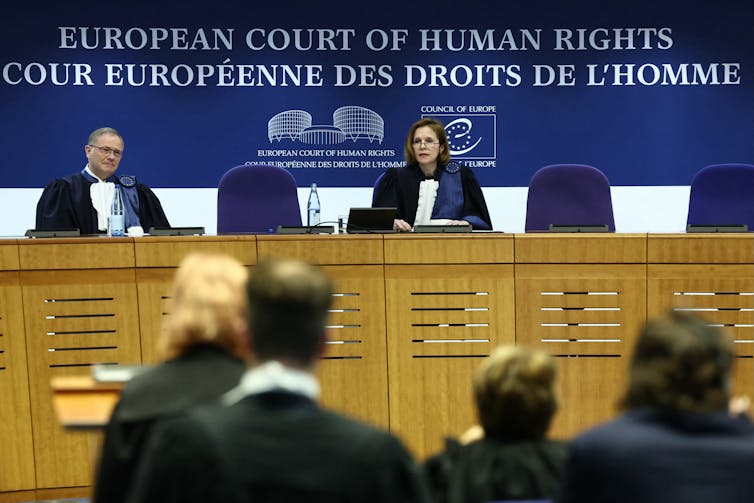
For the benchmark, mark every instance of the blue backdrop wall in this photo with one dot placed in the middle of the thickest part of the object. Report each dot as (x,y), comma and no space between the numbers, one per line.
(649,92)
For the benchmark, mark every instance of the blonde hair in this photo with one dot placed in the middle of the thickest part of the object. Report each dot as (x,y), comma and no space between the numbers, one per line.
(209,305)
(515,393)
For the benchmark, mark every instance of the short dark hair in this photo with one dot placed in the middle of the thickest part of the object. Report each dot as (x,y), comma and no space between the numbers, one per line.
(288,307)
(436,126)
(515,395)
(680,364)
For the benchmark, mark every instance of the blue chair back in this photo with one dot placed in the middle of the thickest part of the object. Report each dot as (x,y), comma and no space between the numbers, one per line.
(255,199)
(568,194)
(722,194)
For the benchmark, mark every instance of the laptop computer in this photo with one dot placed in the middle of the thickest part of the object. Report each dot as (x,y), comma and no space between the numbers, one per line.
(370,220)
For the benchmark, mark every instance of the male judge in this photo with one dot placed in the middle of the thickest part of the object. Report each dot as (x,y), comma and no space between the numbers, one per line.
(82,200)
(270,441)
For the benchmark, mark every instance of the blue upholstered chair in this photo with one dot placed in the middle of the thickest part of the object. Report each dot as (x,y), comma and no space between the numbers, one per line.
(568,194)
(722,194)
(256,198)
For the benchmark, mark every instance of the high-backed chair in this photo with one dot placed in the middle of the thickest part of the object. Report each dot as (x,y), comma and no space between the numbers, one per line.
(568,194)
(722,194)
(256,198)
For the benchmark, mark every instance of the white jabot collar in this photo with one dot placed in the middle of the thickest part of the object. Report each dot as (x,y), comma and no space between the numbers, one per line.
(272,376)
(426,202)
(101,193)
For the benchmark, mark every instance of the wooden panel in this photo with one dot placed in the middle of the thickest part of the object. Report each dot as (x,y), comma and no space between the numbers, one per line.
(353,372)
(153,288)
(589,315)
(323,249)
(581,248)
(701,248)
(721,294)
(492,248)
(8,255)
(154,251)
(17,451)
(590,389)
(76,253)
(81,402)
(97,324)
(432,351)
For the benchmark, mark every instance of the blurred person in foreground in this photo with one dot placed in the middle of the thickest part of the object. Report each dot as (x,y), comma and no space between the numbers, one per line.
(431,189)
(269,441)
(203,343)
(514,389)
(677,441)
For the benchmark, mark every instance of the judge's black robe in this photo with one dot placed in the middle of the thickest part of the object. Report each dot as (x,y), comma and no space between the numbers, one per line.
(66,203)
(199,376)
(275,447)
(399,187)
(495,469)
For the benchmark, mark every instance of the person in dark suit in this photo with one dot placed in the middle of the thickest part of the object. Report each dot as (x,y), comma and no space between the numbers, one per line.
(677,441)
(431,189)
(514,390)
(82,200)
(203,342)
(271,442)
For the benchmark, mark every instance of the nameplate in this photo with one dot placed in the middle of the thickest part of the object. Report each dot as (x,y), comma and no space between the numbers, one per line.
(443,229)
(57,233)
(305,229)
(579,228)
(717,228)
(176,231)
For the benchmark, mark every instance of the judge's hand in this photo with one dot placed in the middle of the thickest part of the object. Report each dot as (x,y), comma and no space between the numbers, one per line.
(473,434)
(739,405)
(457,222)
(401,225)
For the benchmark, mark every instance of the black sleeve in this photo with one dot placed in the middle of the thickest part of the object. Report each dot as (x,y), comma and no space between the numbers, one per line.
(150,209)
(180,465)
(384,194)
(474,204)
(55,209)
(121,450)
(399,479)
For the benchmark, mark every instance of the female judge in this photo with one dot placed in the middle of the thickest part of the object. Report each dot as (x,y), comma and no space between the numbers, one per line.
(431,189)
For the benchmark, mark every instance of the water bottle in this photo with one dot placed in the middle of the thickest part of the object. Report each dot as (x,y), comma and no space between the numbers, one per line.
(116,225)
(312,207)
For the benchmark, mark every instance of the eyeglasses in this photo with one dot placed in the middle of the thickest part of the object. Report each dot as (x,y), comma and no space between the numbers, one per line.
(106,151)
(427,143)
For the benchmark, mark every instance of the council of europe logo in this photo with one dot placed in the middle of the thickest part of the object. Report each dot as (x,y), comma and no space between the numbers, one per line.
(470,136)
(349,123)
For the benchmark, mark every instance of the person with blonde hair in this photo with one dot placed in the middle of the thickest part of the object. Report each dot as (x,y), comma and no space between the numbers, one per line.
(514,390)
(203,344)
(270,441)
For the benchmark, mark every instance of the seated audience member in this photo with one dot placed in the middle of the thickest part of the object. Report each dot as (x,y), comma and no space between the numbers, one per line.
(515,398)
(271,442)
(431,189)
(82,200)
(676,442)
(204,342)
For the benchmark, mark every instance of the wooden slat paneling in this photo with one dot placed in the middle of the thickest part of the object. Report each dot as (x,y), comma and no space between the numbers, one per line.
(353,372)
(17,451)
(430,373)
(92,332)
